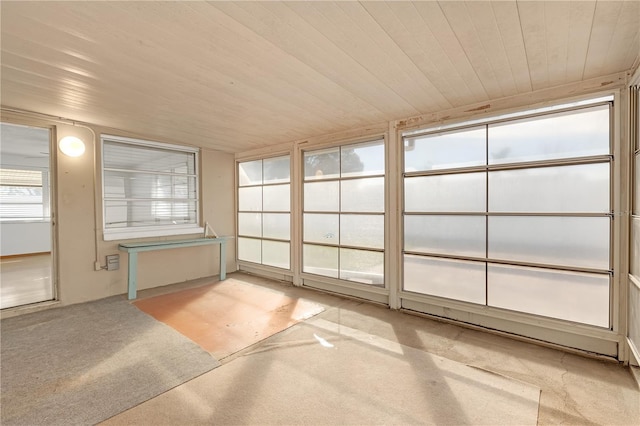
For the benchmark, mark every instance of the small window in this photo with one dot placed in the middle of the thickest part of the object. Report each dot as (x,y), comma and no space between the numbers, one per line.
(149,189)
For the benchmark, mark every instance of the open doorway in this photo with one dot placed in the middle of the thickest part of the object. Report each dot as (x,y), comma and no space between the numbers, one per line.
(26,251)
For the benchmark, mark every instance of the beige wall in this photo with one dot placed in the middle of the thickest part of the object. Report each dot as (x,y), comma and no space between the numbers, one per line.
(78,222)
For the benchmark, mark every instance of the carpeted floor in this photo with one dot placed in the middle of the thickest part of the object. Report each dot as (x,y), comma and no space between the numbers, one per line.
(85,363)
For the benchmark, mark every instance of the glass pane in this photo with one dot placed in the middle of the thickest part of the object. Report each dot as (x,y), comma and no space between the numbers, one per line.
(250,173)
(464,192)
(277,198)
(362,230)
(322,164)
(635,247)
(453,279)
(322,196)
(250,224)
(454,235)
(321,228)
(249,250)
(122,214)
(276,169)
(569,296)
(362,159)
(365,267)
(362,195)
(320,260)
(566,189)
(578,133)
(126,156)
(462,148)
(276,225)
(275,253)
(566,241)
(250,199)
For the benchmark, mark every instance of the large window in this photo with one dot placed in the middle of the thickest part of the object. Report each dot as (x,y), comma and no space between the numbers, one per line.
(149,188)
(343,219)
(264,212)
(513,214)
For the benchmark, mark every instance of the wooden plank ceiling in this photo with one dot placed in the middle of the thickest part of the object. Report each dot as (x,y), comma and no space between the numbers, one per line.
(236,76)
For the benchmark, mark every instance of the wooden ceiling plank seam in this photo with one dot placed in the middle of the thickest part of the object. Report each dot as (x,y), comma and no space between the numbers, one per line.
(409,33)
(263,86)
(532,19)
(434,18)
(557,26)
(194,95)
(471,37)
(361,17)
(624,37)
(332,24)
(317,52)
(308,80)
(605,18)
(508,22)
(582,15)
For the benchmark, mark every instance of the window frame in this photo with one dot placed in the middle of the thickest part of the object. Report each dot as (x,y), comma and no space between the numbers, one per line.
(152,230)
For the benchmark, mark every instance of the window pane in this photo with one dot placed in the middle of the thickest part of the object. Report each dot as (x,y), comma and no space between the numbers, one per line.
(250,224)
(566,241)
(365,267)
(570,296)
(320,260)
(276,170)
(322,196)
(275,253)
(462,148)
(464,192)
(362,159)
(142,185)
(250,199)
(362,195)
(126,156)
(565,189)
(321,228)
(453,279)
(322,164)
(250,173)
(362,230)
(454,235)
(120,213)
(277,198)
(572,134)
(249,249)
(276,225)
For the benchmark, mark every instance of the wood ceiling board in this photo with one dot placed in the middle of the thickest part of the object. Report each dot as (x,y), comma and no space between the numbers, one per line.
(403,24)
(579,24)
(605,20)
(484,50)
(282,26)
(629,20)
(532,19)
(437,22)
(558,23)
(508,21)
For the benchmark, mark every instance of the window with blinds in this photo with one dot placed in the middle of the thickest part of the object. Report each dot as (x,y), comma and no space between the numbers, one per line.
(149,188)
(22,197)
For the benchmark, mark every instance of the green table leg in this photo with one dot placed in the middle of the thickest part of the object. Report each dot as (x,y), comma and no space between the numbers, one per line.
(133,274)
(223,260)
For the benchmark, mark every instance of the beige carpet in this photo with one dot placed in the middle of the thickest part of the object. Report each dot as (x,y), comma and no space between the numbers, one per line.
(319,372)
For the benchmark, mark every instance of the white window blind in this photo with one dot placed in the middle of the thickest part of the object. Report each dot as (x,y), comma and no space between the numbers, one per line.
(149,189)
(21,195)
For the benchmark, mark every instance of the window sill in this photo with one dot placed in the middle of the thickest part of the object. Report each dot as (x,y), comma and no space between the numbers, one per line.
(129,233)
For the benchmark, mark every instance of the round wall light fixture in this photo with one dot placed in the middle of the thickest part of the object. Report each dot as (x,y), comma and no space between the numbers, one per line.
(71,146)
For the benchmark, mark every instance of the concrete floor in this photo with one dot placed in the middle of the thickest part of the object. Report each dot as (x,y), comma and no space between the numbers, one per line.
(574,389)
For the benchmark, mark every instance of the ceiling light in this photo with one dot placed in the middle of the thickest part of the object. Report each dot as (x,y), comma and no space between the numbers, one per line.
(71,146)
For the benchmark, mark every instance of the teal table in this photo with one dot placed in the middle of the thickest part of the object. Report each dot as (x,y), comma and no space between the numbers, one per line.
(134,248)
